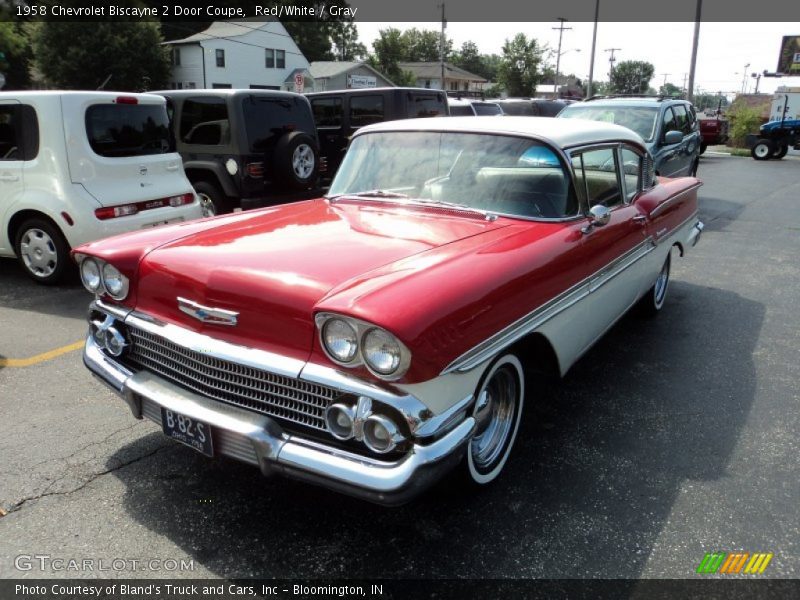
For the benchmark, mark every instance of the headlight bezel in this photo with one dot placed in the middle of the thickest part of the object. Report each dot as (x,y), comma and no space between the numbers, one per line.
(102,289)
(362,328)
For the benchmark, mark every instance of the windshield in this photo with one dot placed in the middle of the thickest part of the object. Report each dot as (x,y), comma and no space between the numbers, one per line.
(641,119)
(495,173)
(119,130)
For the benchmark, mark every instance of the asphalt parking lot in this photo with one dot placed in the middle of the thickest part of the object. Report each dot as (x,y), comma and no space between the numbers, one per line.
(673,437)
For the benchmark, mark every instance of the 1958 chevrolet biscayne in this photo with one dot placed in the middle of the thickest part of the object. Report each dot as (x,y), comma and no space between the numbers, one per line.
(371,340)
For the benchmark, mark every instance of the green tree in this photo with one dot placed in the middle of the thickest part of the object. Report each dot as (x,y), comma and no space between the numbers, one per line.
(744,120)
(72,55)
(519,70)
(16,54)
(632,77)
(470,59)
(424,46)
(346,46)
(670,89)
(390,49)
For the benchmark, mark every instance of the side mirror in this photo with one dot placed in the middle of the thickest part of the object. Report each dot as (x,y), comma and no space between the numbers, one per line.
(673,137)
(600,216)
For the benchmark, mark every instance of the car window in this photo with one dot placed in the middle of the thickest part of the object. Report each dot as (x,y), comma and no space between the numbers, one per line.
(486,108)
(327,112)
(641,119)
(461,110)
(670,122)
(426,105)
(204,121)
(120,130)
(497,173)
(9,139)
(631,172)
(365,110)
(682,119)
(596,172)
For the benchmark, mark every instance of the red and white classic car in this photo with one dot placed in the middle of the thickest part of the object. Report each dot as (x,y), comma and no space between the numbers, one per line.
(371,340)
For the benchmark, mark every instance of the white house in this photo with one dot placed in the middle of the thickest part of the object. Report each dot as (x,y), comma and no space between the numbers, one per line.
(343,75)
(429,75)
(245,53)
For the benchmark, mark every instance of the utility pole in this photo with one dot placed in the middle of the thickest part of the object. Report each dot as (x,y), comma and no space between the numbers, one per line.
(441,47)
(695,42)
(665,79)
(560,29)
(611,61)
(744,77)
(594,44)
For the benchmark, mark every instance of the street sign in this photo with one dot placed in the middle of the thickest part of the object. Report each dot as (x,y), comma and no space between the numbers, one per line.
(299,83)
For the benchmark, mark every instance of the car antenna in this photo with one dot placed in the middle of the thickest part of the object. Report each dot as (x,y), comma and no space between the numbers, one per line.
(105,81)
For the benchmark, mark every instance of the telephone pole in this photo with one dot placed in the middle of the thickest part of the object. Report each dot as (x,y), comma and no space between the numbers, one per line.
(560,29)
(441,47)
(611,61)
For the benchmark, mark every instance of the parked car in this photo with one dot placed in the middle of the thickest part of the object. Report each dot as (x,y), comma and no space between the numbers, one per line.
(371,340)
(531,107)
(667,125)
(463,107)
(713,130)
(245,148)
(79,166)
(340,113)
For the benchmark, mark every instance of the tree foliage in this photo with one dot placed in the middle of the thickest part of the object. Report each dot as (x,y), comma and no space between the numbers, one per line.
(744,119)
(470,59)
(15,46)
(71,55)
(632,77)
(670,89)
(519,69)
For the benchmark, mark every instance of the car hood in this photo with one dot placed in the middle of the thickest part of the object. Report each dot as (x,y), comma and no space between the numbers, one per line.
(273,266)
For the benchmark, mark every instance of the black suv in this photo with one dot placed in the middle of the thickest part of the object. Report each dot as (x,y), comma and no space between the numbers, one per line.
(245,148)
(340,113)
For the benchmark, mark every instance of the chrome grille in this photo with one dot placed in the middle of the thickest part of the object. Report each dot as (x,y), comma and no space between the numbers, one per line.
(254,389)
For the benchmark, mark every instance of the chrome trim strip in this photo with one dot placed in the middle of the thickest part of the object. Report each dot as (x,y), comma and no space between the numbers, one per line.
(539,316)
(208,314)
(119,312)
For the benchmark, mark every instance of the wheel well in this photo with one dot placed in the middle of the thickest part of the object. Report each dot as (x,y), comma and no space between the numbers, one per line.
(18,219)
(679,246)
(537,355)
(195,175)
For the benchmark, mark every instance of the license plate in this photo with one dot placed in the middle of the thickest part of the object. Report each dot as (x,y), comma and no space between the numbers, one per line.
(195,434)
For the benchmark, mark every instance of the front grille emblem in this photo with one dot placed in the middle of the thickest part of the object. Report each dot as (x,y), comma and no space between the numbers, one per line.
(206,314)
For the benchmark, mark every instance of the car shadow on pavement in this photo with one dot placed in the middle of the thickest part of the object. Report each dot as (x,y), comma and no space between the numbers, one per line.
(20,292)
(598,465)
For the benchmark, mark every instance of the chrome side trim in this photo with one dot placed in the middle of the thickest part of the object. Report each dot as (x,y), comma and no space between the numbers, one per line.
(535,319)
(204,344)
(118,312)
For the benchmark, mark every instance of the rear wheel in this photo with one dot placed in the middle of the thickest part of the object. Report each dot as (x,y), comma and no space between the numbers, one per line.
(780,151)
(42,251)
(212,200)
(498,410)
(763,149)
(653,301)
(703,148)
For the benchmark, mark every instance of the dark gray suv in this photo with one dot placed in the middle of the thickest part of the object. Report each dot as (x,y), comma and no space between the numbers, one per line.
(667,125)
(245,148)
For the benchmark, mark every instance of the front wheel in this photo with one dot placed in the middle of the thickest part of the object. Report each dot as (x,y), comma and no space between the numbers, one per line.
(497,412)
(653,301)
(763,150)
(42,251)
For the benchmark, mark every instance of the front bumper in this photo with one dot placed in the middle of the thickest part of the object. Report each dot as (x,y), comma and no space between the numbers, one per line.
(259,440)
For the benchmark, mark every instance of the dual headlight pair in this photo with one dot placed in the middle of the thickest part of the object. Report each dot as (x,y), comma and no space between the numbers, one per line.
(101,277)
(350,343)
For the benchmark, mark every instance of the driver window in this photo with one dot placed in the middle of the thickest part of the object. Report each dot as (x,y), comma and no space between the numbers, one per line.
(597,171)
(670,123)
(9,144)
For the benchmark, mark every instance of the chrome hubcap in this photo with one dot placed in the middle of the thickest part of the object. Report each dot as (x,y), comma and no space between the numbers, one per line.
(207,205)
(303,161)
(494,414)
(38,252)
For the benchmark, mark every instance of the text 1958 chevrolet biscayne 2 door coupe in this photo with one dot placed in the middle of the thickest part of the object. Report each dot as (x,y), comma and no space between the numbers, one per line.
(371,340)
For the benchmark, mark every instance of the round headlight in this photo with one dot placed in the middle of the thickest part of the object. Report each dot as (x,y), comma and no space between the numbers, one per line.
(90,275)
(382,351)
(115,282)
(340,340)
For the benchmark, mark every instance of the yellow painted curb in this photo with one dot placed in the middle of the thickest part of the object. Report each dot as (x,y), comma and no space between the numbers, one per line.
(33,360)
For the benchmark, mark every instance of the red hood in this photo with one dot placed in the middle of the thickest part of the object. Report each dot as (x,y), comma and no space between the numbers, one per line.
(274,266)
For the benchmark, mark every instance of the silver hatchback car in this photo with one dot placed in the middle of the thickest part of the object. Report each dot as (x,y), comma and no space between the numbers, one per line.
(668,127)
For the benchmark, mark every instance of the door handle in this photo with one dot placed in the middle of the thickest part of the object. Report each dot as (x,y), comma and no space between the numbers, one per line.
(9,177)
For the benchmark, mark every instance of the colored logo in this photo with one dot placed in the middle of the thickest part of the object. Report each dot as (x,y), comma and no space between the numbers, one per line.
(734,563)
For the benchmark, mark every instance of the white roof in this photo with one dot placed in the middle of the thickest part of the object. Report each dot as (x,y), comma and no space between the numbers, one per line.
(225,30)
(559,132)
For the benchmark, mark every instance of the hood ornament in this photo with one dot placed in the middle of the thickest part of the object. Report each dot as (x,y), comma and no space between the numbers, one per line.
(207,314)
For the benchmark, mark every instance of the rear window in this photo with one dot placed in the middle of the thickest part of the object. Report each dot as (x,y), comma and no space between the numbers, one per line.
(269,118)
(520,108)
(119,130)
(484,109)
(461,110)
(427,105)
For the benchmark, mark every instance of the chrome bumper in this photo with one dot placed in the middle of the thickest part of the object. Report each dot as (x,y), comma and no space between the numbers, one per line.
(694,234)
(259,440)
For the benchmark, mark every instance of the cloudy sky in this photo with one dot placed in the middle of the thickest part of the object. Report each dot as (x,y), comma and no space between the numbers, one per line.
(724,49)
